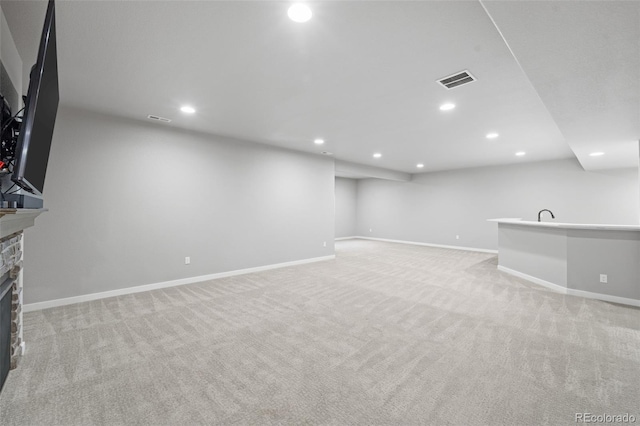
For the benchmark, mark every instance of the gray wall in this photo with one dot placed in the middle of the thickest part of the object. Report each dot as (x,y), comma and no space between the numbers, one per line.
(614,253)
(11,67)
(129,200)
(535,251)
(346,207)
(11,82)
(435,207)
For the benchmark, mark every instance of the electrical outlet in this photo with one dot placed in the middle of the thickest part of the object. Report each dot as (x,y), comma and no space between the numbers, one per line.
(457,237)
(603,278)
(324,244)
(187,260)
(370,230)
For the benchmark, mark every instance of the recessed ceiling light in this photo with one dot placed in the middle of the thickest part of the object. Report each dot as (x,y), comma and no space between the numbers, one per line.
(420,166)
(520,153)
(447,107)
(188,109)
(492,135)
(299,12)
(596,154)
(318,141)
(377,155)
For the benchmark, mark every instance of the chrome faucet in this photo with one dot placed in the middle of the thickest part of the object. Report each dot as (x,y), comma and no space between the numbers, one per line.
(545,210)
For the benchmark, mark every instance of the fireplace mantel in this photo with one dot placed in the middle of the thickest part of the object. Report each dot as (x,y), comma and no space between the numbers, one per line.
(15,220)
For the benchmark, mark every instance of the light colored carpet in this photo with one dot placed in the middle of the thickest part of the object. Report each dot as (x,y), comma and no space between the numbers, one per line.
(385,334)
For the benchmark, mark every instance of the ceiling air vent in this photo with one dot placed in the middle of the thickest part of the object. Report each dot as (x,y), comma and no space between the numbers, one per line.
(457,79)
(156,118)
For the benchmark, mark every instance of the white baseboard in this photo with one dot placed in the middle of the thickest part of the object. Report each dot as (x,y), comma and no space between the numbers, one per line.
(571,291)
(345,238)
(605,297)
(415,243)
(547,284)
(147,287)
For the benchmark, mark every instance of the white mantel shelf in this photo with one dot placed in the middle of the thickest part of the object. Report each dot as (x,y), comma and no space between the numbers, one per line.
(15,220)
(518,221)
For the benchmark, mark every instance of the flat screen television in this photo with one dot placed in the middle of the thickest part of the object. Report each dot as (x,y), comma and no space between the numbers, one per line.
(41,108)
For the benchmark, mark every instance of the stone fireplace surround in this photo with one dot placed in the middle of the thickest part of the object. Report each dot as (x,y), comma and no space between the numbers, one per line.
(11,276)
(12,224)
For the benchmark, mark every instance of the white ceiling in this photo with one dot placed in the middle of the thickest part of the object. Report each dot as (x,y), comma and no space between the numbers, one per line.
(583,58)
(557,80)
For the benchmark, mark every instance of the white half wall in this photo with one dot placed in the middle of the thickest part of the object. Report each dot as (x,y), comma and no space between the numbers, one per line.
(128,201)
(436,207)
(346,207)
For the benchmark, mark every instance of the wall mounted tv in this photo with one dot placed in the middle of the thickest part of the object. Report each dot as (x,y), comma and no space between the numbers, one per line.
(41,108)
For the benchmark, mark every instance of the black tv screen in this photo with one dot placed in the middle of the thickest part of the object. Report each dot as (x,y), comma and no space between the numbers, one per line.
(41,108)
